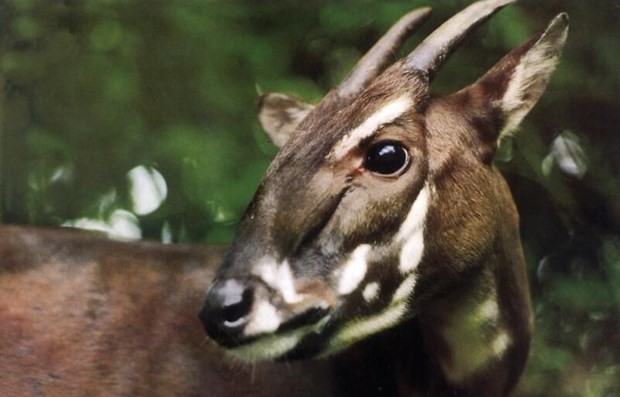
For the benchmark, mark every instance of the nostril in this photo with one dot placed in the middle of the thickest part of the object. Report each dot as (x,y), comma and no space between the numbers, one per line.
(236,307)
(226,309)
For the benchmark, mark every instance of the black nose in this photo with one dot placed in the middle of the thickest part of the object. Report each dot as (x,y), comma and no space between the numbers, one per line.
(225,310)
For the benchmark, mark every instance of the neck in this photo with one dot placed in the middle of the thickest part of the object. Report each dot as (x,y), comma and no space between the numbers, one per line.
(468,337)
(471,342)
(477,336)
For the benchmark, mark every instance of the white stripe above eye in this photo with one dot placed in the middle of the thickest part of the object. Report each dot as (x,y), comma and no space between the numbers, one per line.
(386,114)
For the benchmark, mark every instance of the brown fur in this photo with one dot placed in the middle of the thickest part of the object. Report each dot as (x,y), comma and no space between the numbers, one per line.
(85,316)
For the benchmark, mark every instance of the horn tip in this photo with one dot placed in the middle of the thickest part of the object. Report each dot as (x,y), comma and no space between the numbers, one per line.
(558,25)
(423,10)
(502,3)
(561,19)
(419,15)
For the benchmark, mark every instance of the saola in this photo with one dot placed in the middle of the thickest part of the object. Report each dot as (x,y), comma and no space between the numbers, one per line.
(382,239)
(383,228)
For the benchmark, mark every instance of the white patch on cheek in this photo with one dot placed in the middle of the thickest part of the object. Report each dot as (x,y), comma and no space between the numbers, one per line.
(386,114)
(354,270)
(278,277)
(411,232)
(405,289)
(265,319)
(371,291)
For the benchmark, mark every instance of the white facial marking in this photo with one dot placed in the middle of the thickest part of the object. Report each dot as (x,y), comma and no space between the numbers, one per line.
(411,232)
(269,347)
(405,289)
(354,270)
(365,326)
(274,346)
(278,277)
(265,319)
(358,330)
(386,114)
(371,291)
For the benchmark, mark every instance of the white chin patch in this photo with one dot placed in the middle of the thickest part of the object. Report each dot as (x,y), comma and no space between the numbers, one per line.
(386,114)
(276,345)
(411,232)
(352,273)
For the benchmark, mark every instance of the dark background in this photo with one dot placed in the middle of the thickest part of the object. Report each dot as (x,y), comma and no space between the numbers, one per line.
(105,98)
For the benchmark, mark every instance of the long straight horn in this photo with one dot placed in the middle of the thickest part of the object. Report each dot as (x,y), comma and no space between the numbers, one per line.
(382,53)
(432,53)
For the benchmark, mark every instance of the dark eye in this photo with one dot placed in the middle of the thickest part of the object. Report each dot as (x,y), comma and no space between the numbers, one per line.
(387,158)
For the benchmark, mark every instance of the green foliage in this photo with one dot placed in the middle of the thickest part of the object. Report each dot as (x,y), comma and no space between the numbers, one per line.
(95,89)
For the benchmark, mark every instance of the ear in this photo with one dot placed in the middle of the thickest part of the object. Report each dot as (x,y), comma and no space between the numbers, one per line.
(514,85)
(280,114)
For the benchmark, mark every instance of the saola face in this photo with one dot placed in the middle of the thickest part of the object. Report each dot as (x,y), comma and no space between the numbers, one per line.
(319,241)
(363,217)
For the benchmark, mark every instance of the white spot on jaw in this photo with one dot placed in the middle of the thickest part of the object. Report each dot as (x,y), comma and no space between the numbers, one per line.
(370,325)
(354,270)
(411,232)
(386,114)
(371,291)
(265,319)
(278,277)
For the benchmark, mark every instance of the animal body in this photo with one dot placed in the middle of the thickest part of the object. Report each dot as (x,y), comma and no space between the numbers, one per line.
(81,315)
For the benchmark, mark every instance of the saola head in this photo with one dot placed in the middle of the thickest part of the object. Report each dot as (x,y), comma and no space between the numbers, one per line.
(381,197)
